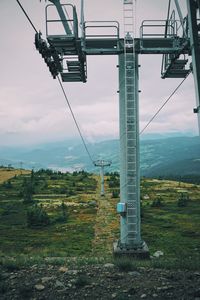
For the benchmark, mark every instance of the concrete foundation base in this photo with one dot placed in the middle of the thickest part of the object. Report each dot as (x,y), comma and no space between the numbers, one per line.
(140,252)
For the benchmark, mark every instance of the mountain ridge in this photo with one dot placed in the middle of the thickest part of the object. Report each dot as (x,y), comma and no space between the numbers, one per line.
(159,157)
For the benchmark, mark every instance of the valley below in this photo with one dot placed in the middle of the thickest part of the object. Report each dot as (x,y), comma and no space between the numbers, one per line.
(169,158)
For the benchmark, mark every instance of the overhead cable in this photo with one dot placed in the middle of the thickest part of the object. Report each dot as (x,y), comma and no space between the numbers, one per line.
(61,85)
(80,133)
(27,16)
(163,105)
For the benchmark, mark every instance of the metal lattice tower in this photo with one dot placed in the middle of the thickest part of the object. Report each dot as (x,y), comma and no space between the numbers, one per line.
(129,206)
(102,164)
(65,54)
(194,29)
(131,146)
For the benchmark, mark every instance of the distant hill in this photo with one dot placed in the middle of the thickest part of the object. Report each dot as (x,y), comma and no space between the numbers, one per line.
(159,157)
(177,156)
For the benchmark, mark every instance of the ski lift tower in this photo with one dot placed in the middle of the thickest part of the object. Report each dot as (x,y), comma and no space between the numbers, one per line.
(66,55)
(102,164)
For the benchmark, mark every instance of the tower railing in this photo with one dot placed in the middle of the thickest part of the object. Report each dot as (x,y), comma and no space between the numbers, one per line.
(157,28)
(98,28)
(70,20)
(101,37)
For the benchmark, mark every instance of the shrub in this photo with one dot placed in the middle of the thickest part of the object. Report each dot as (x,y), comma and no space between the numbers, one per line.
(125,264)
(122,296)
(62,217)
(37,216)
(115,193)
(27,190)
(82,280)
(25,291)
(183,200)
(63,209)
(142,211)
(114,182)
(157,202)
(7,184)
(71,193)
(10,265)
(62,190)
(27,196)
(3,288)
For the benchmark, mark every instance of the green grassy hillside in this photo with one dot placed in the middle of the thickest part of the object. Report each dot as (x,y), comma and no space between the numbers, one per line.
(69,237)
(170,218)
(80,223)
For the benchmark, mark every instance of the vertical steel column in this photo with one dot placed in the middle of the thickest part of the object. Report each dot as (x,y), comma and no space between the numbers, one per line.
(123,150)
(102,180)
(129,152)
(133,174)
(195,48)
(180,16)
(102,163)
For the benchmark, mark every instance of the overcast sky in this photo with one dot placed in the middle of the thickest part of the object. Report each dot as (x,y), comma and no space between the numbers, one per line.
(32,106)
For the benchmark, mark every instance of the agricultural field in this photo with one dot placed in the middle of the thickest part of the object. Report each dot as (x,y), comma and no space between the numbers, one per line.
(7,173)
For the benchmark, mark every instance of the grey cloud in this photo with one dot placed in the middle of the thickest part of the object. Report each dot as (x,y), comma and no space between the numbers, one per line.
(33,104)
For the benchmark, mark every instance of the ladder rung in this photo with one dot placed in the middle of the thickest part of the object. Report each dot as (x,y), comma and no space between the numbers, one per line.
(126,32)
(128,3)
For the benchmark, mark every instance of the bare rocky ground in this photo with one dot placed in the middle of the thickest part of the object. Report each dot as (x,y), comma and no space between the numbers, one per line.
(50,282)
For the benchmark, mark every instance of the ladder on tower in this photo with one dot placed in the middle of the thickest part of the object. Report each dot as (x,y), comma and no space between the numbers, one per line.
(131,128)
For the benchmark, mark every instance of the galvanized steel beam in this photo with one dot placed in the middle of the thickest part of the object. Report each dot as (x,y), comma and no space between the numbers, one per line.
(195,49)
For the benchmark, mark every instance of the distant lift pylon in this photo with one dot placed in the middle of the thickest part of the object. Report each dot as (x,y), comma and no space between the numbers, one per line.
(102,164)
(66,54)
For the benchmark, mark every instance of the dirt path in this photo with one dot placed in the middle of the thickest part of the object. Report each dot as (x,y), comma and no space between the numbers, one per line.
(106,226)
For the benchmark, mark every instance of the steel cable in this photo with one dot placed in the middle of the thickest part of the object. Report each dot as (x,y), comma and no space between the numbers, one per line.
(61,85)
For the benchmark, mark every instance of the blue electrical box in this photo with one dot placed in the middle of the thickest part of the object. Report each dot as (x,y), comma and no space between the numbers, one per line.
(121,208)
